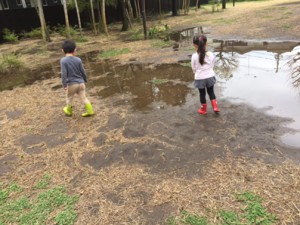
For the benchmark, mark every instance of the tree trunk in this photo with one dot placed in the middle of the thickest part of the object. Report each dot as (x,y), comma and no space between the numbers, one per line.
(93,17)
(45,34)
(100,22)
(78,16)
(223,4)
(66,18)
(159,7)
(104,17)
(139,8)
(130,10)
(174,8)
(143,9)
(125,26)
(197,4)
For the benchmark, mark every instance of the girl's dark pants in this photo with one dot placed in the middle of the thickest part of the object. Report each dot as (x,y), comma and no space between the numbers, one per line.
(210,92)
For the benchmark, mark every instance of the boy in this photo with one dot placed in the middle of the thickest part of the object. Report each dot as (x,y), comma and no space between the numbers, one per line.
(73,78)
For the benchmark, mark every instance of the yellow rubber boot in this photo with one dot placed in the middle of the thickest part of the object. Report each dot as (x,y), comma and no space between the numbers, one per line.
(68,110)
(89,110)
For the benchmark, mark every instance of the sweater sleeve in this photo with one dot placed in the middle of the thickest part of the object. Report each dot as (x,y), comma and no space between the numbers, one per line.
(64,73)
(82,71)
(194,63)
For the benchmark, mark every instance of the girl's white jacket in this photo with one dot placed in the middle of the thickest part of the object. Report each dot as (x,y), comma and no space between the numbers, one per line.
(207,69)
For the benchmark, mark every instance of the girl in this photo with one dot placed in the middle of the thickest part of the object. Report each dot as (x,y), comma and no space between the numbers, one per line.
(202,65)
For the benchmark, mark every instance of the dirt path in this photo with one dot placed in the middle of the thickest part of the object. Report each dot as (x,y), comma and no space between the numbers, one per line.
(132,166)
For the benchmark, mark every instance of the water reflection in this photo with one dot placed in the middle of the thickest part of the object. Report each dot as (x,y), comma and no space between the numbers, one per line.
(263,80)
(164,84)
(183,38)
(294,63)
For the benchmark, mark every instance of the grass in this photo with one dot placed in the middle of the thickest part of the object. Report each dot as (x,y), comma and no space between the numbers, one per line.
(114,52)
(255,211)
(10,61)
(158,43)
(224,21)
(9,36)
(158,81)
(35,33)
(186,64)
(136,35)
(42,205)
(250,212)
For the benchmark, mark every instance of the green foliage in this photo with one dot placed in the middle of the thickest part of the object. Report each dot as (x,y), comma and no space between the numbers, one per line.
(63,31)
(256,213)
(35,33)
(186,64)
(80,39)
(137,35)
(250,0)
(74,33)
(44,182)
(186,218)
(251,212)
(9,36)
(158,81)
(158,43)
(66,217)
(190,219)
(9,62)
(114,52)
(158,31)
(37,208)
(229,218)
(215,5)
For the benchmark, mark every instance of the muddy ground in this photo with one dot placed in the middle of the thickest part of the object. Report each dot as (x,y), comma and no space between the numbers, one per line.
(138,161)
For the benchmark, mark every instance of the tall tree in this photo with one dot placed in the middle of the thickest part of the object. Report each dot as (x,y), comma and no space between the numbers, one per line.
(78,16)
(93,17)
(223,4)
(197,5)
(143,10)
(40,11)
(174,8)
(100,22)
(129,9)
(137,8)
(159,8)
(66,19)
(104,17)
(126,22)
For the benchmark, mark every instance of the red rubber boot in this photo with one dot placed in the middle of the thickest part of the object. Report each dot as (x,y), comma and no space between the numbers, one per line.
(202,110)
(215,106)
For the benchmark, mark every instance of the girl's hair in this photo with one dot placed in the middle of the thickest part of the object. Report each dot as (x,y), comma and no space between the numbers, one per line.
(200,41)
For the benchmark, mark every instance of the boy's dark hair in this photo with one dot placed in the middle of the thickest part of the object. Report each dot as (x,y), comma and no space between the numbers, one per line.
(68,46)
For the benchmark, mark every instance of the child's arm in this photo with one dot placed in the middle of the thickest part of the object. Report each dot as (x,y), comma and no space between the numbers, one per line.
(64,74)
(194,63)
(82,70)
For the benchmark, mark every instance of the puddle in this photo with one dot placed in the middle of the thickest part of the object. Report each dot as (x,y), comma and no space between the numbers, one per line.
(184,37)
(260,74)
(149,87)
(8,81)
(250,72)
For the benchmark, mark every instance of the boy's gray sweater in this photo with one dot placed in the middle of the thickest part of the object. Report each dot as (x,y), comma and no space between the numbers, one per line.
(72,71)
